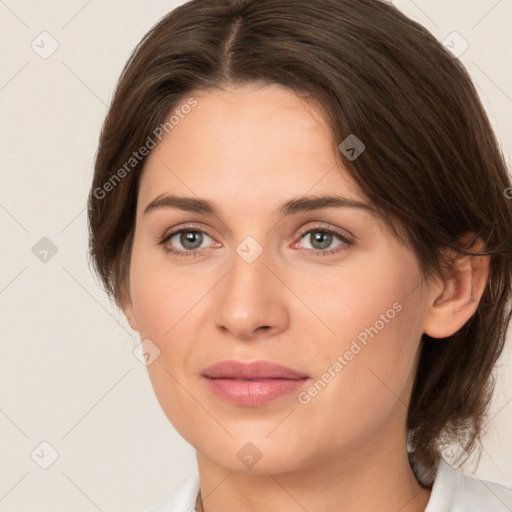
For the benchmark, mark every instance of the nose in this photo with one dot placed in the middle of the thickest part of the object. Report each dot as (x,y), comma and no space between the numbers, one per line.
(251,301)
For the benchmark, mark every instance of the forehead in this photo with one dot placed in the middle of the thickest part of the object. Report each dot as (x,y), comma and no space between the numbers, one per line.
(255,143)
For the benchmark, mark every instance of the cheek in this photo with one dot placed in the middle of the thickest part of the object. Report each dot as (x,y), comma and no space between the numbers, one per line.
(352,301)
(370,335)
(160,297)
(361,390)
(163,306)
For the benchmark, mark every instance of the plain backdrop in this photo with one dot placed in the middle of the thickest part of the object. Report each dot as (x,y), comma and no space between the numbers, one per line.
(73,397)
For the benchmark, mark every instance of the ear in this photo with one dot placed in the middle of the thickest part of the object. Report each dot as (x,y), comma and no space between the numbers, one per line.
(127,307)
(455,298)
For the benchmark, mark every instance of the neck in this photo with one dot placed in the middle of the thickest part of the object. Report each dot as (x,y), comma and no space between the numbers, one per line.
(363,481)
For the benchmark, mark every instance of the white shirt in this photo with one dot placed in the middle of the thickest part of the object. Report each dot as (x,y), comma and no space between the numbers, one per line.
(452,491)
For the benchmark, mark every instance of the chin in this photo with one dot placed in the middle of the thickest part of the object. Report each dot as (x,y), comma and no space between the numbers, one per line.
(251,454)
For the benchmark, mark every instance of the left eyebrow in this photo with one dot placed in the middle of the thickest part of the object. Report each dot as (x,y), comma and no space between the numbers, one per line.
(293,206)
(310,203)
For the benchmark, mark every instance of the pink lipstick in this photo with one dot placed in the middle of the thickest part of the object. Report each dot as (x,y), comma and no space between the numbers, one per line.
(252,384)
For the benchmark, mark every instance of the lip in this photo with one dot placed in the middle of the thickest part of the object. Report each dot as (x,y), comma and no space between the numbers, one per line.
(252,384)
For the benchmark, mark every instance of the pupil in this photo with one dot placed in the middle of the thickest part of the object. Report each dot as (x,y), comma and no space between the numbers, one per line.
(323,238)
(190,237)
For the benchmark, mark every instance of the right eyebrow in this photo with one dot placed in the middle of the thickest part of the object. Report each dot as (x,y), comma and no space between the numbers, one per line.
(187,204)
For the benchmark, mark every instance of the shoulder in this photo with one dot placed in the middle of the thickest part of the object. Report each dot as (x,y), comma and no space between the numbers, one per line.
(182,500)
(454,491)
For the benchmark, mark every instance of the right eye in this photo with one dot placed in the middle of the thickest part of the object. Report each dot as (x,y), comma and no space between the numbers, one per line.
(191,241)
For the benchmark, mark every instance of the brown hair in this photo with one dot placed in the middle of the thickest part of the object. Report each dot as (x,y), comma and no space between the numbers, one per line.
(432,165)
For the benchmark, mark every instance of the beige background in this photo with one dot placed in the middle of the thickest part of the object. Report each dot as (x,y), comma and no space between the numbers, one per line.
(68,376)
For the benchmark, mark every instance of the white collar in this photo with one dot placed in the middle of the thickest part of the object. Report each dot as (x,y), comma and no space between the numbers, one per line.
(452,491)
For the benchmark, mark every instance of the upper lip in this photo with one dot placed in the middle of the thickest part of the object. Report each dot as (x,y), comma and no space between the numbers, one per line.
(256,370)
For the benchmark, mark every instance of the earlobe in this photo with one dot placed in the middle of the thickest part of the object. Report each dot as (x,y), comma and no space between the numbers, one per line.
(454,302)
(127,307)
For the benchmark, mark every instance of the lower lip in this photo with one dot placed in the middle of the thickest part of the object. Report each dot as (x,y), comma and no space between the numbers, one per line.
(253,393)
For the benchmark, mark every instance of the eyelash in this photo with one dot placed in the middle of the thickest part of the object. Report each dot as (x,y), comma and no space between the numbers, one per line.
(315,252)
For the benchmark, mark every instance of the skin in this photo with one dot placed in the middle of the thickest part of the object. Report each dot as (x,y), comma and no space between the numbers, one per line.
(247,150)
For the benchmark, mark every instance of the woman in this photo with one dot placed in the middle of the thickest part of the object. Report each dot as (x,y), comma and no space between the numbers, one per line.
(302,209)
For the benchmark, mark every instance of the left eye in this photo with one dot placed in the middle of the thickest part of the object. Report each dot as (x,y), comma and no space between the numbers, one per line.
(321,239)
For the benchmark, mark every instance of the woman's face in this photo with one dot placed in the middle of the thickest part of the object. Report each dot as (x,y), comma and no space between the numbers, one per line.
(320,288)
